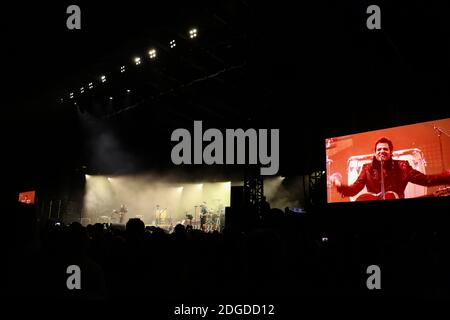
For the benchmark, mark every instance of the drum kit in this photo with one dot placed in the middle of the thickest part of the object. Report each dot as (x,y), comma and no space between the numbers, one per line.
(118,216)
(209,219)
(162,217)
(212,222)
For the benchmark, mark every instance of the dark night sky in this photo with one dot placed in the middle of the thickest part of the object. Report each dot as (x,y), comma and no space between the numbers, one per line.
(312,70)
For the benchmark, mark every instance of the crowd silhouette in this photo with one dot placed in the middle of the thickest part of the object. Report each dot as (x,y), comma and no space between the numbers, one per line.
(283,254)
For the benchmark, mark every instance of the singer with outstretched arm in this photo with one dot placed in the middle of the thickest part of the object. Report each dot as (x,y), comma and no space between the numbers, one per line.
(385,175)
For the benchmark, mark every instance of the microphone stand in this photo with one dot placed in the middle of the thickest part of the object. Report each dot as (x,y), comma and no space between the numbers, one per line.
(195,214)
(439,132)
(382,180)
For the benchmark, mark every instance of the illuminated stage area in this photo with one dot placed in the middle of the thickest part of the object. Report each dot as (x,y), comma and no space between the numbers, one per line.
(159,202)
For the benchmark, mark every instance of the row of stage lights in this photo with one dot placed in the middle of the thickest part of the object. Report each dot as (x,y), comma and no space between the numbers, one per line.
(152,53)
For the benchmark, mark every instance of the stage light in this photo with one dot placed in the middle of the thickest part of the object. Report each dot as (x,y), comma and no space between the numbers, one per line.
(103,78)
(90,86)
(122,69)
(110,98)
(172,44)
(86,176)
(109,179)
(193,33)
(71,95)
(137,61)
(82,90)
(152,53)
(128,90)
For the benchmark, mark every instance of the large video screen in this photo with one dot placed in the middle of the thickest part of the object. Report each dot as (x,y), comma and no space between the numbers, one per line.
(410,161)
(27,197)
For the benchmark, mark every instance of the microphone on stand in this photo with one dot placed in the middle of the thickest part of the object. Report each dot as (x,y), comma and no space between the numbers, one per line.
(382,176)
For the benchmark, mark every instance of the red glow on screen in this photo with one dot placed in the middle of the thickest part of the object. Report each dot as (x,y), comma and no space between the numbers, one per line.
(418,166)
(27,197)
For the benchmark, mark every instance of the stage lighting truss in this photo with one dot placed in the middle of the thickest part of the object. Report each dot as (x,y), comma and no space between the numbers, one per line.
(193,33)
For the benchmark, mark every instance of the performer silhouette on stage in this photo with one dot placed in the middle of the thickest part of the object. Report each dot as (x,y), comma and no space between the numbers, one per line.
(122,211)
(203,215)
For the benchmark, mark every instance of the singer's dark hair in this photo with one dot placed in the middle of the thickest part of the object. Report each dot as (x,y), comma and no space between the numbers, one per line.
(385,140)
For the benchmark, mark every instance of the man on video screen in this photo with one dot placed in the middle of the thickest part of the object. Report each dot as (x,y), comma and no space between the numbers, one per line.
(391,183)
